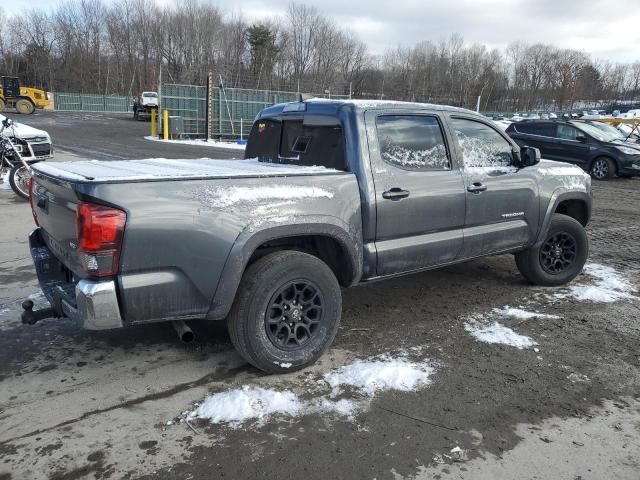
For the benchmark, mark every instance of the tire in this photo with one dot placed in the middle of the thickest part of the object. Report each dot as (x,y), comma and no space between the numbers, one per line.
(3,105)
(19,181)
(268,289)
(603,168)
(548,265)
(25,106)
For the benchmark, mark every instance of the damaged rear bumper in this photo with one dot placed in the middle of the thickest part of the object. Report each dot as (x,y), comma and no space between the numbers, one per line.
(93,304)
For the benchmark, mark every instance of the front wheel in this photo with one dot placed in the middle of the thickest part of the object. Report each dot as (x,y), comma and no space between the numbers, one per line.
(25,106)
(19,180)
(286,312)
(561,256)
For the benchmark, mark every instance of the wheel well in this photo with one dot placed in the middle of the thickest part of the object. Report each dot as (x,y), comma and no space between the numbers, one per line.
(327,249)
(575,209)
(27,99)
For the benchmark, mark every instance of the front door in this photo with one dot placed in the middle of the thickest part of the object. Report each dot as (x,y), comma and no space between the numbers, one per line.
(420,197)
(568,148)
(502,200)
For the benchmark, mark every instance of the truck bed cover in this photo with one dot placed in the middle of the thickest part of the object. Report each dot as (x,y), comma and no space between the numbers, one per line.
(159,169)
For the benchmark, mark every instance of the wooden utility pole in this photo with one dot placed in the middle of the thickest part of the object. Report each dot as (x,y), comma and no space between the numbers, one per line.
(209,100)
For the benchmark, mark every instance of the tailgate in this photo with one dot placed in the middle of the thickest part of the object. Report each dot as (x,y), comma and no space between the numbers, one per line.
(54,206)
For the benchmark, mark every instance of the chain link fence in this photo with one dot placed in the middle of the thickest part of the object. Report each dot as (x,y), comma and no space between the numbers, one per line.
(84,102)
(232,110)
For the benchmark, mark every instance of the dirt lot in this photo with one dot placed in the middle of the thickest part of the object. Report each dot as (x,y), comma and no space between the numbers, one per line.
(77,404)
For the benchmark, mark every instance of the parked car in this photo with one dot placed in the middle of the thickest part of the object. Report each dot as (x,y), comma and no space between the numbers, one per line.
(335,193)
(602,153)
(32,143)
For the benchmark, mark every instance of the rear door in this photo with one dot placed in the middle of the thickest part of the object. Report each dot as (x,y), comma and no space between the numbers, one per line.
(502,200)
(536,134)
(420,198)
(568,148)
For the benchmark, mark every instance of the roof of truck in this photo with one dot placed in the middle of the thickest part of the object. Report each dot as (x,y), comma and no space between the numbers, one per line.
(332,105)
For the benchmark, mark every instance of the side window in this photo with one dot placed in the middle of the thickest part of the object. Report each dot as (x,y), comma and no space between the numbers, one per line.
(542,129)
(481,145)
(567,132)
(412,141)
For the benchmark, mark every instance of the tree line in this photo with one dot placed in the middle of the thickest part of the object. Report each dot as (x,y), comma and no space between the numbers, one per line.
(126,46)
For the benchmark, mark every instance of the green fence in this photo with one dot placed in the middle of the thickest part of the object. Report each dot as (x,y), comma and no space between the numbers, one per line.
(188,102)
(84,102)
(232,109)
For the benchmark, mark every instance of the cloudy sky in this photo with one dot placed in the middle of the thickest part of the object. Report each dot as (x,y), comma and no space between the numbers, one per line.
(607,29)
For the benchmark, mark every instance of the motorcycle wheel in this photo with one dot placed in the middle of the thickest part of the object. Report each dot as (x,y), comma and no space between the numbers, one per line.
(19,181)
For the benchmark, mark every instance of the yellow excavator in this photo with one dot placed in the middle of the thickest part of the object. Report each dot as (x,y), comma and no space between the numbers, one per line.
(23,99)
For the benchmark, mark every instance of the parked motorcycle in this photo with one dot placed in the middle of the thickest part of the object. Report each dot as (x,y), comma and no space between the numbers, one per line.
(19,171)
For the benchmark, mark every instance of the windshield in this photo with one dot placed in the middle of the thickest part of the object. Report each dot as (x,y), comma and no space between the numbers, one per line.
(604,135)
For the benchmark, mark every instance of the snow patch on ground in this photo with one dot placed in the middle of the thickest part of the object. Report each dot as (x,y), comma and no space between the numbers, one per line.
(489,331)
(247,403)
(200,143)
(221,197)
(522,314)
(367,377)
(5,182)
(371,376)
(607,286)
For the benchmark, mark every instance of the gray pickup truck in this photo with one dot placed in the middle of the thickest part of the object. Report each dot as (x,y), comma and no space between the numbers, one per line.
(331,194)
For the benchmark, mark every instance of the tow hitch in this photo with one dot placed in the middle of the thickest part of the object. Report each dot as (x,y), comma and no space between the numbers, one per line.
(30,317)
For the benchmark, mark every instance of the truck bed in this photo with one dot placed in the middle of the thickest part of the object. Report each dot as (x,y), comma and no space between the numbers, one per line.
(183,219)
(162,169)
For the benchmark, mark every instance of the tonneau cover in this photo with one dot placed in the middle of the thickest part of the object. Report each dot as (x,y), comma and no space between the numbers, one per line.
(155,169)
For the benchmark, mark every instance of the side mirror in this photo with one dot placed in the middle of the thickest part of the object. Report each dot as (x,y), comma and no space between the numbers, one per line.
(7,122)
(581,138)
(529,156)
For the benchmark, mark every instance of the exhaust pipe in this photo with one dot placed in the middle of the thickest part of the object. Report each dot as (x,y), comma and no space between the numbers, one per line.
(185,334)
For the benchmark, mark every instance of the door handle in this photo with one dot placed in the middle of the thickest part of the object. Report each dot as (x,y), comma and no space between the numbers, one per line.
(477,187)
(395,194)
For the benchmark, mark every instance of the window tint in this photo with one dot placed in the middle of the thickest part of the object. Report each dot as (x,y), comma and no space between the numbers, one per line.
(293,142)
(543,129)
(567,132)
(412,141)
(481,145)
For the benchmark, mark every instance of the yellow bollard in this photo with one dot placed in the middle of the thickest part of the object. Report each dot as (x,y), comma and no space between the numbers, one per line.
(165,124)
(154,125)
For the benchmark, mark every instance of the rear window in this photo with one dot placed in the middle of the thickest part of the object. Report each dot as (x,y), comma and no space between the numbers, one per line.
(294,143)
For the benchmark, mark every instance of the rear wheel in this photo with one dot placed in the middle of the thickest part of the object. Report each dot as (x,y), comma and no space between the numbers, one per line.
(25,106)
(561,256)
(603,168)
(19,180)
(286,312)
(2,105)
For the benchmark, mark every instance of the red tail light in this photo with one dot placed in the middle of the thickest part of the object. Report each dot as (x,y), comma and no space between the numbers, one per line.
(33,211)
(100,230)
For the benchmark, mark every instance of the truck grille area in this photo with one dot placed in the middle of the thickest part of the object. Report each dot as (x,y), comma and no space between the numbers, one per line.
(41,149)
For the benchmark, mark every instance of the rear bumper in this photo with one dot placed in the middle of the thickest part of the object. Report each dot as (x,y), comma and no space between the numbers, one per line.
(93,304)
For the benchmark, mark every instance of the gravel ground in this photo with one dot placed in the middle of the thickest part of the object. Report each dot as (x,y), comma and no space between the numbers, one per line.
(100,405)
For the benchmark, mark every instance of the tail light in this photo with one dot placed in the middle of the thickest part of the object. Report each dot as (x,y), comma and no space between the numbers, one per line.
(33,212)
(100,231)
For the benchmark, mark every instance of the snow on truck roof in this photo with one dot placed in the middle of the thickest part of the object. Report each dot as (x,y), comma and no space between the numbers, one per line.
(94,171)
(364,104)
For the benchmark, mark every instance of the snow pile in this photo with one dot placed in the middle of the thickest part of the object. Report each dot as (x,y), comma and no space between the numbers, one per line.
(494,332)
(200,143)
(521,314)
(5,181)
(248,403)
(607,286)
(371,376)
(366,377)
(221,197)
